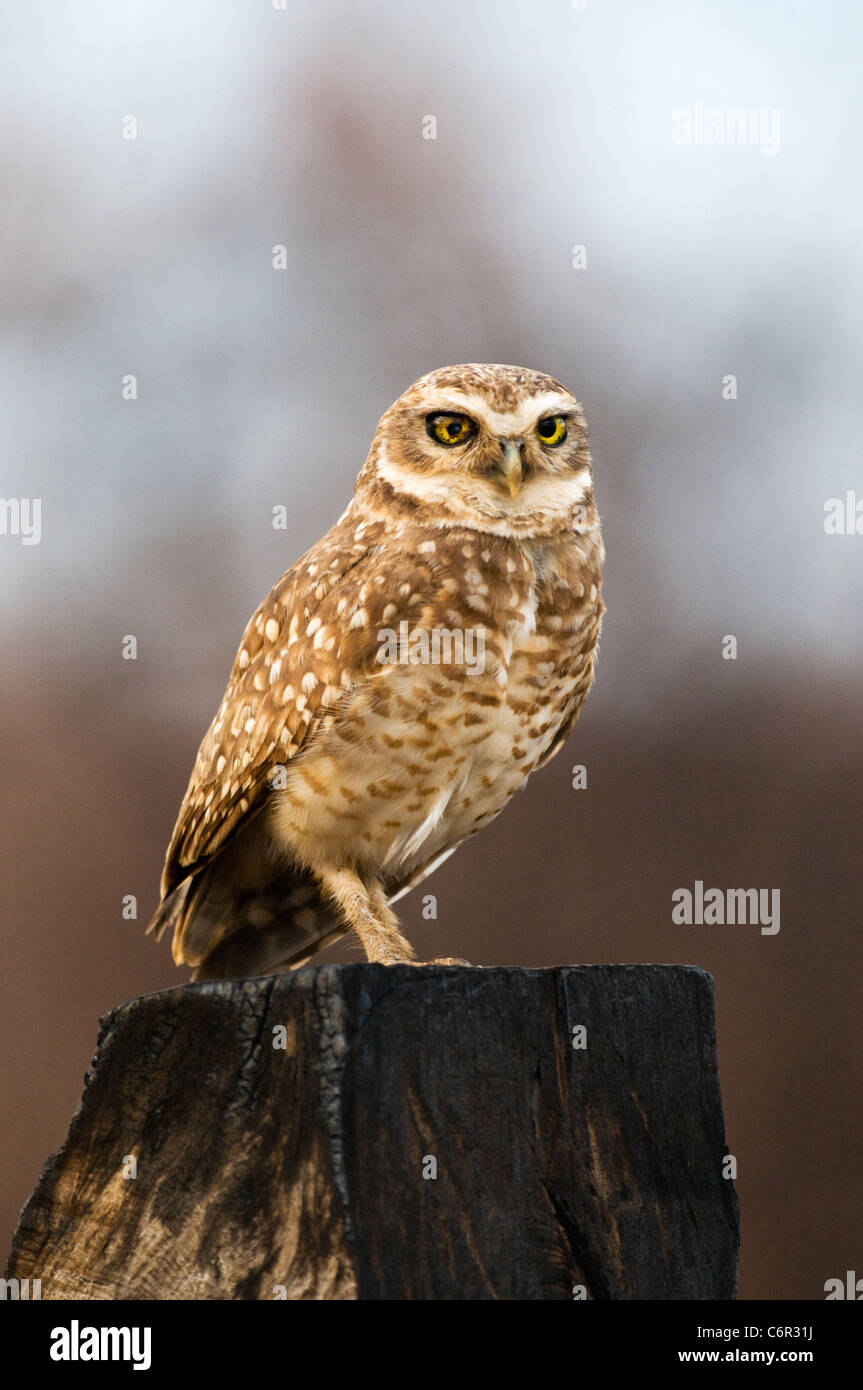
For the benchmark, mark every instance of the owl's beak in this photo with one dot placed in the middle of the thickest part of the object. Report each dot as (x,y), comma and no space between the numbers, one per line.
(508,473)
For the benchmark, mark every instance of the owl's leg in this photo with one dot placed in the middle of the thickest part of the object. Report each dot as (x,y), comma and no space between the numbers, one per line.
(381,904)
(367,911)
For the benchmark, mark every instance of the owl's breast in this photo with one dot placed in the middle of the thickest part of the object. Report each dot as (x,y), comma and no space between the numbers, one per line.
(433,746)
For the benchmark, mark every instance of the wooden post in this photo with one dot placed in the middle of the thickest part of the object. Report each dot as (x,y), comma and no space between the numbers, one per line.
(372,1132)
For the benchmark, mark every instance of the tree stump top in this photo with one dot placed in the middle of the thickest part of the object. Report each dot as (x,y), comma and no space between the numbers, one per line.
(398,1132)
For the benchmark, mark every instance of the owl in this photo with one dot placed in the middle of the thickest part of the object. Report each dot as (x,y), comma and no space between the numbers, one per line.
(400,682)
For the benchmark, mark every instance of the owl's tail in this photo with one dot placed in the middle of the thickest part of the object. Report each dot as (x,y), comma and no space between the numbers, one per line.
(226,933)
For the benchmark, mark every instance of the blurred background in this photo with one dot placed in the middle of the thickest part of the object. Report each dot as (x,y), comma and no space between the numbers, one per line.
(303,127)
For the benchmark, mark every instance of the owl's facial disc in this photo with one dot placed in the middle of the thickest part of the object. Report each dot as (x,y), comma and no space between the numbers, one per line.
(510,456)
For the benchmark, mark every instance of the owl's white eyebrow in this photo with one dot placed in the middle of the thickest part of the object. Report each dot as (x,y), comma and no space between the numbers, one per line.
(530,408)
(453,407)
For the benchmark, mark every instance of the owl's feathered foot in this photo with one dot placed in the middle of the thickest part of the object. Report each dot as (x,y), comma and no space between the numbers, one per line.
(442,960)
(365,908)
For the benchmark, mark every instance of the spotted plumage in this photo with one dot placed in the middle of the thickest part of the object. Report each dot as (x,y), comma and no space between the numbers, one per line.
(399,683)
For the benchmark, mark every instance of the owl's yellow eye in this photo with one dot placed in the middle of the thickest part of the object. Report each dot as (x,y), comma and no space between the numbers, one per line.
(552,429)
(450,429)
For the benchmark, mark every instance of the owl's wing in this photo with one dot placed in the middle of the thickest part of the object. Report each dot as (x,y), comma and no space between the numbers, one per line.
(289,670)
(577,699)
(564,731)
(312,641)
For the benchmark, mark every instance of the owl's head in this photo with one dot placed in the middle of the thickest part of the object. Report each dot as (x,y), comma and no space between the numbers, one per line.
(500,449)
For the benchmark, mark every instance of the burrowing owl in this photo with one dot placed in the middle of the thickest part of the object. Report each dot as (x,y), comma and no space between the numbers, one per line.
(399,683)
